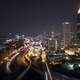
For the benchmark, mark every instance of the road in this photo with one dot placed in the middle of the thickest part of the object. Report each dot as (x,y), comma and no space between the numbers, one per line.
(40,71)
(11,59)
(34,73)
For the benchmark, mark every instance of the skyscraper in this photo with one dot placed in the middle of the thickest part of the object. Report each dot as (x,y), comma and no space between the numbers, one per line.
(66,33)
(78,26)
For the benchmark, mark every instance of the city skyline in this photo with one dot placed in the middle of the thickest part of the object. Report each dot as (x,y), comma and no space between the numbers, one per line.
(40,40)
(36,16)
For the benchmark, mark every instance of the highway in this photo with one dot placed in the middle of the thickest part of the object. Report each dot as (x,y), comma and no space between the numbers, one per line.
(28,69)
(35,72)
(16,75)
(17,52)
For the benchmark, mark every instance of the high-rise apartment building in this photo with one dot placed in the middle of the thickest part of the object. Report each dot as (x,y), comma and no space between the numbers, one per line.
(66,33)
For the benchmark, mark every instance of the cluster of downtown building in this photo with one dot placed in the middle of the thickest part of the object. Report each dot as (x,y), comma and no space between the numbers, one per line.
(53,40)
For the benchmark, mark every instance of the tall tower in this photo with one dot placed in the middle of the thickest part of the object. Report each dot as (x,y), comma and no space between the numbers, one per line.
(78,26)
(66,34)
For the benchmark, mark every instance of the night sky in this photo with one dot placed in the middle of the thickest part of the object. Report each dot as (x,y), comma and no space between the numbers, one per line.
(31,16)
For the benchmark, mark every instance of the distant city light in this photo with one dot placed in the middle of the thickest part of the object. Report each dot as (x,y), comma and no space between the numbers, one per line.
(66,23)
(79,11)
(69,52)
(50,39)
(79,65)
(70,66)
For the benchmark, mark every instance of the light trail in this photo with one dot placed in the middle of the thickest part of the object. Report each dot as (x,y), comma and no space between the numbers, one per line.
(46,76)
(10,60)
(48,71)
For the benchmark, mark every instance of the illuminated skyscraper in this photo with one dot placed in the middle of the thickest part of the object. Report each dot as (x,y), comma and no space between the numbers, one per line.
(78,26)
(66,34)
